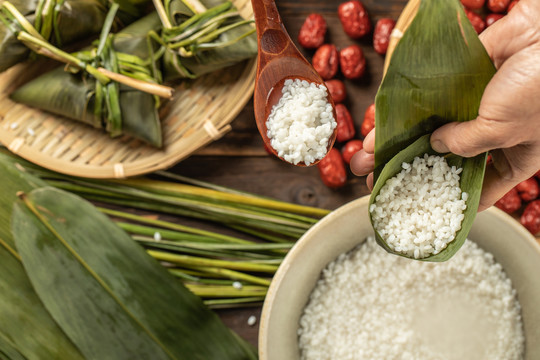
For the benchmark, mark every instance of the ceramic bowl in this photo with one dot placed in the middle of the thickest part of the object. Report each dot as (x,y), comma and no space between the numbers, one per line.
(343,229)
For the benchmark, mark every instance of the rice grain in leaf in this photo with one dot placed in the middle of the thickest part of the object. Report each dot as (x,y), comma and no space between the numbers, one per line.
(437,74)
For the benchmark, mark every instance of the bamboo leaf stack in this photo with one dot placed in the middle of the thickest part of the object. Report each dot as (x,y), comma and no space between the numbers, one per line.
(21,309)
(437,74)
(77,286)
(231,266)
(110,304)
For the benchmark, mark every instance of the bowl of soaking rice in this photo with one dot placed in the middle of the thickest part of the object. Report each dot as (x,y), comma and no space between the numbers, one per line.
(340,296)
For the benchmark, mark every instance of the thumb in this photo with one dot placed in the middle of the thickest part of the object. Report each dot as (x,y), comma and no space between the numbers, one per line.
(468,138)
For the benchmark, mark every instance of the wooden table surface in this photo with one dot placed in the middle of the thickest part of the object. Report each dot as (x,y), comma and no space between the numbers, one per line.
(238,160)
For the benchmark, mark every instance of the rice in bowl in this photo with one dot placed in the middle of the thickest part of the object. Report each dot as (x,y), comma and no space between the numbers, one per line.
(369,304)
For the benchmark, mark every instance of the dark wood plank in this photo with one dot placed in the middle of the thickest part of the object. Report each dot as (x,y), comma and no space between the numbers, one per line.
(237,319)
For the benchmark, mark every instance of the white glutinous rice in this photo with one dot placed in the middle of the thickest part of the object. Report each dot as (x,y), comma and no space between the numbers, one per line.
(419,211)
(252,320)
(369,305)
(301,123)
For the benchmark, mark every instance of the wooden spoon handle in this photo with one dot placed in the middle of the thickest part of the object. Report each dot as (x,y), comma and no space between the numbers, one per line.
(266,16)
(271,34)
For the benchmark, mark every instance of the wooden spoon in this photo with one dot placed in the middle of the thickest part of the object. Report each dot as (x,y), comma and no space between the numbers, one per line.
(278,60)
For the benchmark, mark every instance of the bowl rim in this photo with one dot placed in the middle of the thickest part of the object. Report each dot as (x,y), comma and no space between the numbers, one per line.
(497,214)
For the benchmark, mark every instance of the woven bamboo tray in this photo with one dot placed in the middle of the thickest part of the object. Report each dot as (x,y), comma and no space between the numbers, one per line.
(199,113)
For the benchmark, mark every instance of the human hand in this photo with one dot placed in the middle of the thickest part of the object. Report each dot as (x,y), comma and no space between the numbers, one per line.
(363,162)
(508,124)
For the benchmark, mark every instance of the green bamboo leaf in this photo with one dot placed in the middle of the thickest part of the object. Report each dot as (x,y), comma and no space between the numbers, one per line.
(150,243)
(223,291)
(235,275)
(218,50)
(165,234)
(437,74)
(187,261)
(26,328)
(8,350)
(234,302)
(108,295)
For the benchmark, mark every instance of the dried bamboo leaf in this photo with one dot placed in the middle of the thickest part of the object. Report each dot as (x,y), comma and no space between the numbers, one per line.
(136,310)
(437,74)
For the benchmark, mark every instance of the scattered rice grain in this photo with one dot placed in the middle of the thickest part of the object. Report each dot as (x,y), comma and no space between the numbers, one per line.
(252,320)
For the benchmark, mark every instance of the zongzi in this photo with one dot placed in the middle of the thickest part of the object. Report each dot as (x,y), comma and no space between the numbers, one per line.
(60,22)
(197,43)
(118,108)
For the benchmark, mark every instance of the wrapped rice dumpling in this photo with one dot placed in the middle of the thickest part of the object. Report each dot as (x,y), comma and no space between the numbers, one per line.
(117,108)
(61,23)
(188,40)
(201,37)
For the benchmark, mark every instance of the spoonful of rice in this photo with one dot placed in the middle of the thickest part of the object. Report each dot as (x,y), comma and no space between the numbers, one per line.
(294,112)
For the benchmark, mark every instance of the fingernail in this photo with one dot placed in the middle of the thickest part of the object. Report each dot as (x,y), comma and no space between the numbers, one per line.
(439,146)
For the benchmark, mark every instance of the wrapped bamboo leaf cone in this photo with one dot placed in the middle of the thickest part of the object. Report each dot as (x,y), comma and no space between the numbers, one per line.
(435,73)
